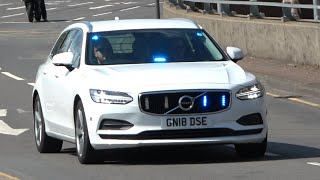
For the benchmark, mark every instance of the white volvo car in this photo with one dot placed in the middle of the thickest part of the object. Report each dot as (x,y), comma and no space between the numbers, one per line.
(161,82)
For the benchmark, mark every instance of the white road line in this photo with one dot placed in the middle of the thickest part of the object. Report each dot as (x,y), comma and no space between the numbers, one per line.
(3,112)
(14,22)
(272,154)
(126,3)
(12,15)
(12,76)
(51,9)
(31,84)
(99,7)
(79,18)
(5,129)
(130,8)
(20,7)
(5,4)
(151,4)
(80,4)
(102,14)
(313,163)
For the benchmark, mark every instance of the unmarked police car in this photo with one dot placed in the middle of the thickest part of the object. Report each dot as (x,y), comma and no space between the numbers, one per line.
(164,82)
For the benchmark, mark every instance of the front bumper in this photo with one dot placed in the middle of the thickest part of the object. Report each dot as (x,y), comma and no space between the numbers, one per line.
(148,130)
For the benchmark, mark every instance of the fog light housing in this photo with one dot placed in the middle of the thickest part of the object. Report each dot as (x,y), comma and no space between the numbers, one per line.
(251,119)
(113,124)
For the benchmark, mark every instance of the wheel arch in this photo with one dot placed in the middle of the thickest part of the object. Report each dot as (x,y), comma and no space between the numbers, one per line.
(34,96)
(75,102)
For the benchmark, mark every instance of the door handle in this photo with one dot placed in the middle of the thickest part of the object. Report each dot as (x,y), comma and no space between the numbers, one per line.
(44,73)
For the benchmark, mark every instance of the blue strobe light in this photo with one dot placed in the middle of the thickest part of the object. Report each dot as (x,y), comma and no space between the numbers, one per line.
(199,34)
(223,100)
(204,101)
(95,37)
(159,59)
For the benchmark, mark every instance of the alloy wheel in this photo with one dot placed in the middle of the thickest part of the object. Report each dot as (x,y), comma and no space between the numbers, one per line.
(38,123)
(80,132)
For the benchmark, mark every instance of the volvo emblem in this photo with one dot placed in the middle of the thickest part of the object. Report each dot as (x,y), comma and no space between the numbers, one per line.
(186,103)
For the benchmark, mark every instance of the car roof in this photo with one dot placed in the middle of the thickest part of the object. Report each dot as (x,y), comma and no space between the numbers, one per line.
(113,25)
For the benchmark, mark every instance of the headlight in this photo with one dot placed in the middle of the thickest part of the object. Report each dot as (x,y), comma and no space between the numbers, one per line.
(250,92)
(110,97)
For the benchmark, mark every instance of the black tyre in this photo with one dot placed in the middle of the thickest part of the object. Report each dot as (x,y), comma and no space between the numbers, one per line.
(85,152)
(29,7)
(252,149)
(44,143)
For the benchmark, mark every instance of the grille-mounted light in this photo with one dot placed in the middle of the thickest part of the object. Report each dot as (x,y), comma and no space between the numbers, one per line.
(204,101)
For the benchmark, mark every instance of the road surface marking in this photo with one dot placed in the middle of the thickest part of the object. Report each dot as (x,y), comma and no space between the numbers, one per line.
(31,84)
(3,112)
(305,102)
(272,154)
(12,76)
(14,22)
(273,95)
(12,15)
(297,100)
(99,7)
(102,14)
(126,3)
(8,177)
(313,163)
(130,8)
(73,5)
(151,4)
(79,18)
(51,9)
(5,129)
(21,111)
(5,4)
(16,8)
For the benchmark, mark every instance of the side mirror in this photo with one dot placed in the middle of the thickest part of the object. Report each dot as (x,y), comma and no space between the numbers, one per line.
(63,59)
(235,53)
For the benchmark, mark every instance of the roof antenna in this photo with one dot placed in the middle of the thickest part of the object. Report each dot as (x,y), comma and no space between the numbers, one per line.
(116,18)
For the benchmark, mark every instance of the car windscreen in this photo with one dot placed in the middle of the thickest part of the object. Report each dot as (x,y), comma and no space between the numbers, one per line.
(151,46)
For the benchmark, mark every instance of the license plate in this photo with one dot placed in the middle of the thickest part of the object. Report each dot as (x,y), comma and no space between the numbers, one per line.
(184,122)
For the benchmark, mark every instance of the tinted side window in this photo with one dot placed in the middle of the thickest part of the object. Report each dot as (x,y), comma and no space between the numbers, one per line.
(65,45)
(58,44)
(76,47)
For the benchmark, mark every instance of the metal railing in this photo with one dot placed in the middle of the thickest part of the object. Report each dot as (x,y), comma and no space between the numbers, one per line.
(224,8)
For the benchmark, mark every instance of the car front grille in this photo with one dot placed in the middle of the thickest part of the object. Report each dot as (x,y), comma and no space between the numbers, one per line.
(185,102)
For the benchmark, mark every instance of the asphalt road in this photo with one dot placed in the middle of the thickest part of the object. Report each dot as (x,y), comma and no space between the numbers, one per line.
(293,148)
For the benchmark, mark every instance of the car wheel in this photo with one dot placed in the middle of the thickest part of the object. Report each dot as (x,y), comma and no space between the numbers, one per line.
(30,12)
(44,143)
(252,149)
(85,152)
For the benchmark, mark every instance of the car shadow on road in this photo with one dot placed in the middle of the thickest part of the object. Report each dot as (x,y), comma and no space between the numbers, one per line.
(200,154)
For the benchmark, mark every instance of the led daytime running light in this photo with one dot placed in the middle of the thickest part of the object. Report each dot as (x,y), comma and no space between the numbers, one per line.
(250,92)
(110,97)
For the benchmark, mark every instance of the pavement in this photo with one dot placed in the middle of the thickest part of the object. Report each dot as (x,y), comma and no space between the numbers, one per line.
(286,79)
